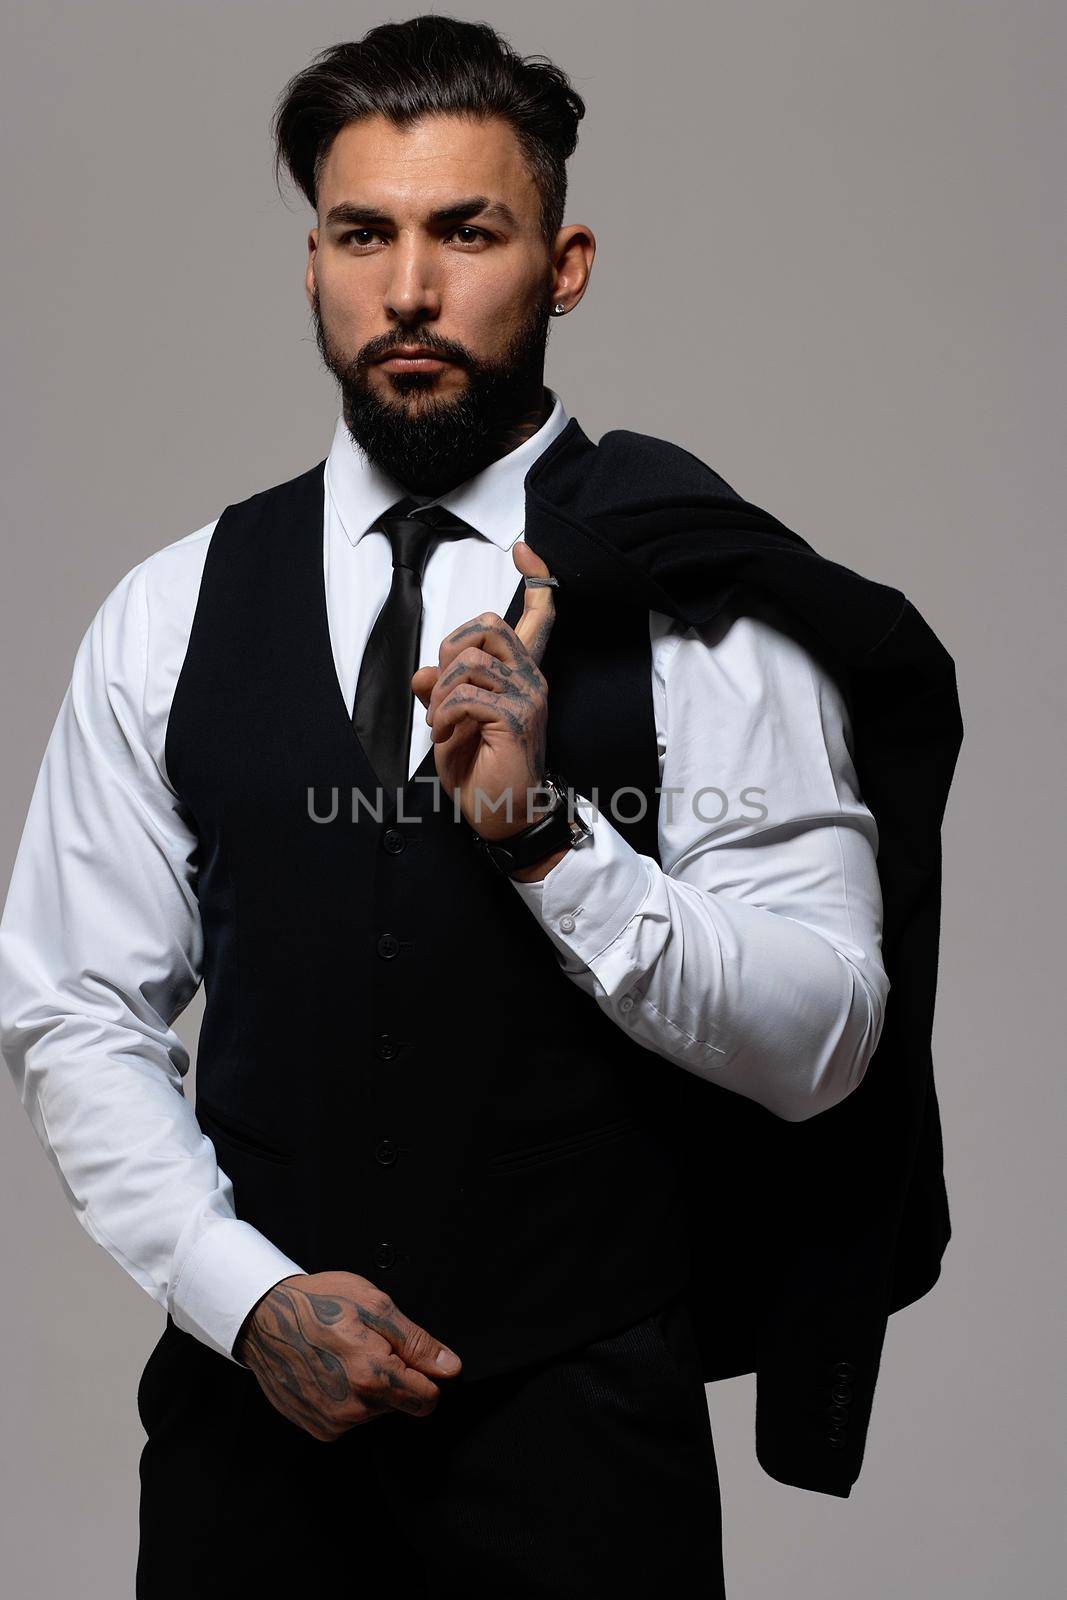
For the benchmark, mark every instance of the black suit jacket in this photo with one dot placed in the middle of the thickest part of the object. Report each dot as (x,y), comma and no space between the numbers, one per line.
(807,1236)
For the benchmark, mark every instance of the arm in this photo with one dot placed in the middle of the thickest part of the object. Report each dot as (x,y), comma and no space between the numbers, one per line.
(752,955)
(100,950)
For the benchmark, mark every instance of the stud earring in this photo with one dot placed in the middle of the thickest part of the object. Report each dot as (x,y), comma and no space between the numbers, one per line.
(559,308)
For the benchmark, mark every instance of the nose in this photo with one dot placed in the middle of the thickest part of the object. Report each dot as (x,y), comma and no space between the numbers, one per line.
(412,292)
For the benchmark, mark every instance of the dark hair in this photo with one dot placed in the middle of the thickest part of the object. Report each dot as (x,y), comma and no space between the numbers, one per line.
(425,66)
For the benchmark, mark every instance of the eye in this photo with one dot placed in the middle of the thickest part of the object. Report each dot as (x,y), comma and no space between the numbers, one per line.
(465,227)
(353,233)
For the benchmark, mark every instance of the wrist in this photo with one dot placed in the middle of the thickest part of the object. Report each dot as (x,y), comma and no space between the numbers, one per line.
(506,821)
(540,869)
(537,847)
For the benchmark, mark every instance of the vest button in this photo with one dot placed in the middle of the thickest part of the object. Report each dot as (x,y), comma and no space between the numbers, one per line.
(384,1254)
(388,945)
(387,1048)
(386,1152)
(393,840)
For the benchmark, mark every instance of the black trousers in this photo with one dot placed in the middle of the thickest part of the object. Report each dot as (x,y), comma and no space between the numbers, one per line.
(592,1474)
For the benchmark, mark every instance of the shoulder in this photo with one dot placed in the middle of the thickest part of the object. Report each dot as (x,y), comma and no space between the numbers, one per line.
(132,651)
(160,591)
(672,465)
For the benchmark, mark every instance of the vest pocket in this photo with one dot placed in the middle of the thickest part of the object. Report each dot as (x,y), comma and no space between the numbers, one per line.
(239,1134)
(571,1144)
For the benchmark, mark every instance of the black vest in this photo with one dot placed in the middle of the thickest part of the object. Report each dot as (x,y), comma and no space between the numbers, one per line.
(400,1079)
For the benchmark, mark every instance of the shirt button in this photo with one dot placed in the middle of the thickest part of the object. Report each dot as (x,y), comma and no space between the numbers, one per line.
(387,1048)
(384,1254)
(626,1003)
(393,840)
(388,945)
(385,1151)
(566,924)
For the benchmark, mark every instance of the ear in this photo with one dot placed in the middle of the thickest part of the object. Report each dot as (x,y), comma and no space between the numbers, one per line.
(309,275)
(572,262)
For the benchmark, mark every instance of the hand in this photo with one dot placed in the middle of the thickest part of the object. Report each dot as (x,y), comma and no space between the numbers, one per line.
(487,706)
(331,1351)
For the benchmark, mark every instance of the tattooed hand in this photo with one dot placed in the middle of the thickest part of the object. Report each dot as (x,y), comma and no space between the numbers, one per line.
(487,706)
(330,1350)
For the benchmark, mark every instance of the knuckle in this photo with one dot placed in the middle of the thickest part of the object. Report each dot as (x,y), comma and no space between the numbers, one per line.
(384,1379)
(381,1304)
(419,1343)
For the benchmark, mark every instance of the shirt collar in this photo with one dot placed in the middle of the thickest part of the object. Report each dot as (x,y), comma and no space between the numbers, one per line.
(493,501)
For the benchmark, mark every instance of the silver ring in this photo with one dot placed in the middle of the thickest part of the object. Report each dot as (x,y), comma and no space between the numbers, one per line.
(541,583)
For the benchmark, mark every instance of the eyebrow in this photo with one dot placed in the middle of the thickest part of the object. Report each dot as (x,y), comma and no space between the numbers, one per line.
(460,211)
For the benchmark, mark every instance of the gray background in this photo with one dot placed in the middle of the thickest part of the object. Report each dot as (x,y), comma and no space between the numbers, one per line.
(830,239)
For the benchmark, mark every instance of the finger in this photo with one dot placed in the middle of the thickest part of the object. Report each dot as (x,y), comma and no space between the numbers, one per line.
(465,704)
(489,632)
(539,604)
(412,1343)
(473,666)
(390,1384)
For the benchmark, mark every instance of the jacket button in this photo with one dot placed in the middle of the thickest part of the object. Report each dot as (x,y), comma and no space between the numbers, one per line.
(386,1152)
(384,1254)
(393,840)
(386,1048)
(844,1369)
(388,945)
(838,1414)
(841,1392)
(836,1439)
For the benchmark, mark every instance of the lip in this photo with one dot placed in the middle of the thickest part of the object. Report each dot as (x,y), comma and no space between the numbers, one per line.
(414,360)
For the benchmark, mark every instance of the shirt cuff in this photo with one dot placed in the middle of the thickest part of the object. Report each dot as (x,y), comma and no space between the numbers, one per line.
(591,894)
(231,1267)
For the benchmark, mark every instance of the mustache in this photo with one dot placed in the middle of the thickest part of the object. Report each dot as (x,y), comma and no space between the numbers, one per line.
(380,349)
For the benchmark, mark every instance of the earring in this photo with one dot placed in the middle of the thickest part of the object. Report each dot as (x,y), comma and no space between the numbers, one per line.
(559,308)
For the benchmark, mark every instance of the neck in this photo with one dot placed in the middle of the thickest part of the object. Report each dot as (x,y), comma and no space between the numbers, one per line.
(501,441)
(526,425)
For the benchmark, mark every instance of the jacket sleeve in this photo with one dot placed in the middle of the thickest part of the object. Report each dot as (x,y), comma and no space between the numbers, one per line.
(751,953)
(100,951)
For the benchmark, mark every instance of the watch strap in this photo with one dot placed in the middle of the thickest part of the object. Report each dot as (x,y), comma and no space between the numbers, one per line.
(556,830)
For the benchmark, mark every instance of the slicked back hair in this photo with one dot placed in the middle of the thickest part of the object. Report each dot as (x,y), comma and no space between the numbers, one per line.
(427,66)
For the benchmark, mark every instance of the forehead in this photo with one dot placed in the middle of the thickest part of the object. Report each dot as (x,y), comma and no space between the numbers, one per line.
(428,163)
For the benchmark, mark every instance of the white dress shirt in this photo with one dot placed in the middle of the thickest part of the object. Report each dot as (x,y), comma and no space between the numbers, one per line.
(751,956)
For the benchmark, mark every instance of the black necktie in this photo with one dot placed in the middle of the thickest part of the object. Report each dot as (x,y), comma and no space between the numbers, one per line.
(385,700)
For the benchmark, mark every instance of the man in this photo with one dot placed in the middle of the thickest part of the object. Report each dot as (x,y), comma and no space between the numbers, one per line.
(434,1170)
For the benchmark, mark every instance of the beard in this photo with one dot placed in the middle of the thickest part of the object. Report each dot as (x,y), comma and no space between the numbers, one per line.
(443,442)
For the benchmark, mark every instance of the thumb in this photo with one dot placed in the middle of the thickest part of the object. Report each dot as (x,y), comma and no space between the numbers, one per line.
(419,1349)
(422,683)
(539,607)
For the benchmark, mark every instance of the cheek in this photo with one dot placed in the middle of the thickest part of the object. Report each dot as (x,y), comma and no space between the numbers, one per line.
(345,293)
(488,309)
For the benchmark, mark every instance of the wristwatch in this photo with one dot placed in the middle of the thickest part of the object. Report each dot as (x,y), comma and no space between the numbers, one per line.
(556,830)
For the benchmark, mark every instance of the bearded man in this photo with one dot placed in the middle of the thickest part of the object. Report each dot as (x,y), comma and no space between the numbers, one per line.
(527,808)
